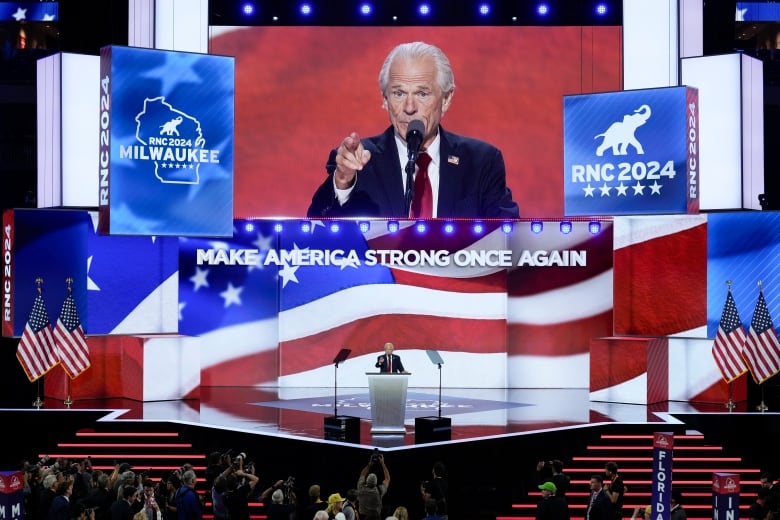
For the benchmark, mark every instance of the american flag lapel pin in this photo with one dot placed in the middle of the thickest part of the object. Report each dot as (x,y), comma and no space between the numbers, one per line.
(453,159)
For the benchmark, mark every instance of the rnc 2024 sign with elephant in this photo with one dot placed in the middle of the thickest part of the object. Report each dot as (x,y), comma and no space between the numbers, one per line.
(632,152)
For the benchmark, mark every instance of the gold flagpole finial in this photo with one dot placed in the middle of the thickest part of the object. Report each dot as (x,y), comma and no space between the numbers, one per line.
(69,283)
(39,284)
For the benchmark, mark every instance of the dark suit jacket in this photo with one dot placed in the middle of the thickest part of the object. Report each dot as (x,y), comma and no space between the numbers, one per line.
(472,182)
(600,508)
(382,365)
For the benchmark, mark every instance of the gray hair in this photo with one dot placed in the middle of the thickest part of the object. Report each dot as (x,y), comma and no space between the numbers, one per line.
(188,477)
(277,497)
(415,50)
(321,515)
(49,480)
(371,480)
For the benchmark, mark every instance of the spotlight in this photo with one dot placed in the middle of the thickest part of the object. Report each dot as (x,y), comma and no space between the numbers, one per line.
(449,227)
(365,9)
(601,9)
(421,226)
(537,226)
(542,9)
(278,227)
(478,227)
(249,226)
(248,9)
(334,227)
(424,9)
(565,227)
(484,9)
(392,226)
(305,226)
(594,227)
(364,226)
(305,9)
(506,227)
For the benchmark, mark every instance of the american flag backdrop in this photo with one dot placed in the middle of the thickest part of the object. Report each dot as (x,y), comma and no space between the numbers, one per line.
(729,342)
(762,349)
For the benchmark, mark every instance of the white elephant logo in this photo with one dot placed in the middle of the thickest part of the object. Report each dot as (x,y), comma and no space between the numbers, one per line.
(620,134)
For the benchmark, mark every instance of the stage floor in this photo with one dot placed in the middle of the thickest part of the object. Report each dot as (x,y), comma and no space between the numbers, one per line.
(475,414)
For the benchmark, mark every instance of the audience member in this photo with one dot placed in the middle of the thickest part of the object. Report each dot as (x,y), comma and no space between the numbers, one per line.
(47,494)
(79,512)
(599,506)
(60,506)
(278,509)
(320,515)
(349,507)
(773,500)
(401,513)
(551,507)
(552,471)
(371,491)
(315,502)
(100,498)
(430,510)
(677,512)
(759,509)
(335,504)
(614,488)
(437,489)
(241,483)
(122,509)
(187,501)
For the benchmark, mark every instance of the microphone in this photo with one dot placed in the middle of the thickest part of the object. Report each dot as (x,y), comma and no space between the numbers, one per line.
(414,137)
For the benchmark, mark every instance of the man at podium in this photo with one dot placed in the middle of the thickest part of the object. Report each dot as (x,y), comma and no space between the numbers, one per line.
(389,362)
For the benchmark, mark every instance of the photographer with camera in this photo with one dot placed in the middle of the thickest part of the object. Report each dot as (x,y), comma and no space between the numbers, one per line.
(436,489)
(283,500)
(240,481)
(370,491)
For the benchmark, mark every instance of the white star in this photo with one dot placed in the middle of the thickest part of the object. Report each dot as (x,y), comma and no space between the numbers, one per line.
(48,18)
(20,14)
(347,262)
(181,307)
(740,15)
(200,278)
(263,243)
(315,224)
(638,188)
(588,190)
(605,190)
(218,244)
(621,190)
(91,285)
(231,295)
(288,274)
(655,188)
(177,69)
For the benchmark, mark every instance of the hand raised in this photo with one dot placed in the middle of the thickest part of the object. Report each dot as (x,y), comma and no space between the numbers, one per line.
(350,158)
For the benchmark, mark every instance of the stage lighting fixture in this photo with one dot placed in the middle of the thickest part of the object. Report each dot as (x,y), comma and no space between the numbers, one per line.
(484,9)
(305,9)
(601,9)
(449,227)
(542,9)
(364,226)
(305,226)
(249,226)
(537,226)
(565,227)
(421,226)
(478,227)
(424,9)
(248,9)
(334,227)
(506,227)
(365,9)
(594,227)
(278,227)
(392,226)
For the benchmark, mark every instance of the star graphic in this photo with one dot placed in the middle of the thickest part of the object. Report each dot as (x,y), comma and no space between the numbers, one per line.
(181,308)
(263,243)
(347,262)
(218,244)
(48,18)
(177,69)
(231,295)
(588,190)
(621,189)
(315,224)
(91,285)
(288,274)
(605,190)
(638,188)
(20,14)
(740,15)
(199,279)
(655,188)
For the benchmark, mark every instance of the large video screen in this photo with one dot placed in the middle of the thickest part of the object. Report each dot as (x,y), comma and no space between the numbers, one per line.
(301,90)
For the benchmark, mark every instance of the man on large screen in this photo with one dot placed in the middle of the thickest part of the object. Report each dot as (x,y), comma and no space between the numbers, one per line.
(454,176)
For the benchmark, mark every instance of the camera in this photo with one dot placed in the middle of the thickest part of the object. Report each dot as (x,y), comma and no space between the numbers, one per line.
(238,459)
(375,456)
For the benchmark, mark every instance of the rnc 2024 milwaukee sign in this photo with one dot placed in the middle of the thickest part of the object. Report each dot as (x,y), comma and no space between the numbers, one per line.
(632,152)
(166,143)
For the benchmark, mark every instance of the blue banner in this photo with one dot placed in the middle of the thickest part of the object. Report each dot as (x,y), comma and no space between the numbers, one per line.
(663,445)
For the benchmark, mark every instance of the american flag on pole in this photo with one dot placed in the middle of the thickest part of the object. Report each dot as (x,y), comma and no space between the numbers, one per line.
(729,342)
(70,341)
(36,351)
(762,349)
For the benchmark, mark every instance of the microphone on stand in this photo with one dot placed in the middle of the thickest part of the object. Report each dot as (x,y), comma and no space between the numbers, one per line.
(415,131)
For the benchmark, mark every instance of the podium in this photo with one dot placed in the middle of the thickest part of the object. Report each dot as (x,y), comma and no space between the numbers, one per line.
(387,393)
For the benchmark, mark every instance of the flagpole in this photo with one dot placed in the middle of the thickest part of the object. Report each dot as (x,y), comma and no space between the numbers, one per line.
(38,403)
(730,405)
(762,407)
(68,401)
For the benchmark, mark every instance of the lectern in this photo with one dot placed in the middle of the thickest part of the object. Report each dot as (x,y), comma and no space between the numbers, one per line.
(387,393)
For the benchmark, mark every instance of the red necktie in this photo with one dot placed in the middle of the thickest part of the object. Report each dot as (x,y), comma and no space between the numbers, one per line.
(422,203)
(389,363)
